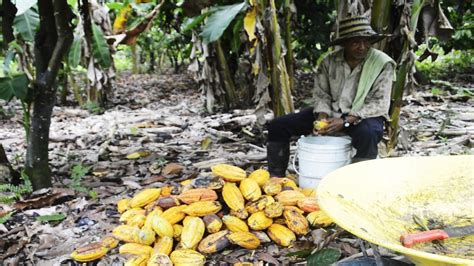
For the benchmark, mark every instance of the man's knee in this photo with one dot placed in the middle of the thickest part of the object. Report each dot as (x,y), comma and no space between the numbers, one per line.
(370,130)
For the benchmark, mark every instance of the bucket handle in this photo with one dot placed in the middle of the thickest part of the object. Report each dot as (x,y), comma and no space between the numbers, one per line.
(294,162)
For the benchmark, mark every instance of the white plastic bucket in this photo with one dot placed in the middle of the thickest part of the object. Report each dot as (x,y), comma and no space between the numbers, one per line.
(320,155)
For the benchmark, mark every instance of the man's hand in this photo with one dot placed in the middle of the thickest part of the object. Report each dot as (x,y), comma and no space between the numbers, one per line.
(335,125)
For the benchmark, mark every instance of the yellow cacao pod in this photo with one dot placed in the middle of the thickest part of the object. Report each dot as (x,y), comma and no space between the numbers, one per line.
(289,197)
(233,197)
(281,235)
(137,261)
(149,218)
(186,182)
(296,221)
(214,242)
(250,189)
(175,214)
(123,205)
(198,194)
(134,234)
(164,245)
(241,214)
(162,227)
(258,221)
(193,231)
(319,219)
(159,259)
(109,242)
(177,230)
(291,183)
(167,190)
(137,220)
(320,124)
(89,252)
(308,204)
(130,213)
(244,239)
(274,210)
(261,176)
(272,188)
(260,204)
(135,249)
(203,208)
(309,192)
(213,223)
(187,257)
(245,263)
(144,197)
(229,172)
(235,224)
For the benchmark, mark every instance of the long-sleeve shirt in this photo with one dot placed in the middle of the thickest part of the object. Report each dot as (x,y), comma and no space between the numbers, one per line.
(336,86)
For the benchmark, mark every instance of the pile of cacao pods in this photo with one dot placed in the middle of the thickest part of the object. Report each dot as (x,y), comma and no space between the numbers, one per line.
(160,228)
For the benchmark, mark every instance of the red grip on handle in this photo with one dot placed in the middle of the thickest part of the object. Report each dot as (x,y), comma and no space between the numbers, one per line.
(409,240)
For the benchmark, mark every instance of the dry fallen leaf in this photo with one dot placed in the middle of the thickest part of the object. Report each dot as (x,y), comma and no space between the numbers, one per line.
(172,169)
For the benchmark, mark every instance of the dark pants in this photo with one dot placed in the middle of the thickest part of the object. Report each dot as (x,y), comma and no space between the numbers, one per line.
(365,135)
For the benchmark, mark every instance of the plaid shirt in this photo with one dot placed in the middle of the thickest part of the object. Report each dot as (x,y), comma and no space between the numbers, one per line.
(335,87)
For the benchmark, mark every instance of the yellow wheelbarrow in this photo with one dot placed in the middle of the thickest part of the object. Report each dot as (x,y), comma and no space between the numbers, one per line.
(381,200)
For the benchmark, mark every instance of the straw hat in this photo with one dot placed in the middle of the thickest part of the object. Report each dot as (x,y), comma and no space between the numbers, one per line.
(357,26)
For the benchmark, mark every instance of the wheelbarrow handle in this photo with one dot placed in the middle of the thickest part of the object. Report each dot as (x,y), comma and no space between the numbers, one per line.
(408,240)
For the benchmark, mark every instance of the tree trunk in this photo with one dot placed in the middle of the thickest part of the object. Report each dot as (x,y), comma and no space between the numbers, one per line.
(51,43)
(9,11)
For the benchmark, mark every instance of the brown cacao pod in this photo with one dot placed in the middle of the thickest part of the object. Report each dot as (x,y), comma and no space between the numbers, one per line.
(213,223)
(214,242)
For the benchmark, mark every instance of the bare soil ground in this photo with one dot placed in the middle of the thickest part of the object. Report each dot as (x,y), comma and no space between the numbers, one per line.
(163,117)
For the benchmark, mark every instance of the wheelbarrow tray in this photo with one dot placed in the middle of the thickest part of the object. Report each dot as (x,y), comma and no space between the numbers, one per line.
(377,200)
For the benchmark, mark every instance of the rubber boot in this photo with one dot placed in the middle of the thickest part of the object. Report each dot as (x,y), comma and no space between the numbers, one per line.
(278,155)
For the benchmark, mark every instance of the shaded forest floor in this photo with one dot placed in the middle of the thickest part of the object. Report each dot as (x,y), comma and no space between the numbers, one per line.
(163,117)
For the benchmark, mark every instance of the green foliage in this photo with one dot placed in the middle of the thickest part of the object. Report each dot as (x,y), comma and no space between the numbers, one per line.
(16,85)
(122,58)
(461,16)
(311,30)
(16,191)
(100,48)
(5,218)
(220,20)
(446,65)
(93,107)
(324,257)
(26,24)
(75,53)
(78,172)
(51,218)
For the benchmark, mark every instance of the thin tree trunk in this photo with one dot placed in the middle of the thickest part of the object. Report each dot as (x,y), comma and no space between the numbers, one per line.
(9,11)
(51,43)
(135,59)
(229,86)
(289,57)
(87,25)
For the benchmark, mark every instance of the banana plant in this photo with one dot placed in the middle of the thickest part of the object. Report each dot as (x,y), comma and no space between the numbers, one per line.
(263,49)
